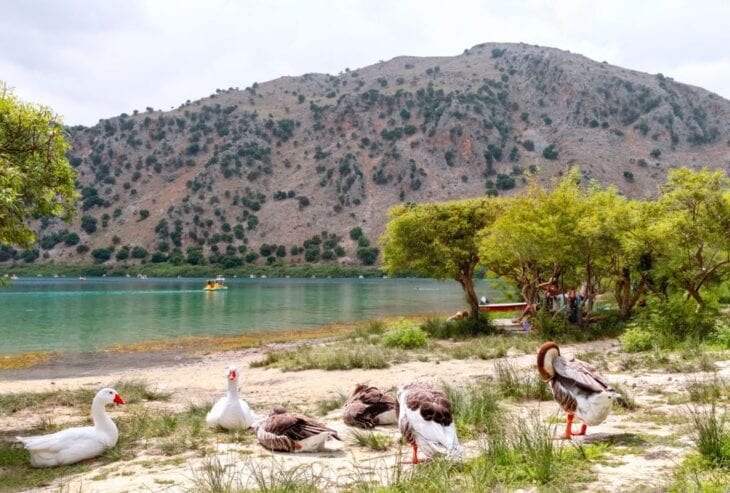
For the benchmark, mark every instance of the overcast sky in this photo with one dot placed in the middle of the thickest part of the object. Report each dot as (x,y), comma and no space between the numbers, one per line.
(93,59)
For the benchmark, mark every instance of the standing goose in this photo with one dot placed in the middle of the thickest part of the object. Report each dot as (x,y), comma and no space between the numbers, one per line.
(577,386)
(291,432)
(76,444)
(368,407)
(426,421)
(231,412)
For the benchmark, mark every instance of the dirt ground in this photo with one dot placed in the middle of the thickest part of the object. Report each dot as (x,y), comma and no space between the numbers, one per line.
(201,380)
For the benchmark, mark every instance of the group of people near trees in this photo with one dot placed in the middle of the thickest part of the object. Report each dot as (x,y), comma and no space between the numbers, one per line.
(556,300)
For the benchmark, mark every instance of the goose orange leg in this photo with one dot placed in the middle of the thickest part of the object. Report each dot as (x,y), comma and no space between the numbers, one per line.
(414,460)
(568,429)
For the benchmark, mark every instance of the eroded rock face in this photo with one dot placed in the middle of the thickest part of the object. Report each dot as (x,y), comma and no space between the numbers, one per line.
(279,163)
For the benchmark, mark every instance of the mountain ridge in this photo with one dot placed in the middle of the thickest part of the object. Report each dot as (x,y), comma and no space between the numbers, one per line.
(303,169)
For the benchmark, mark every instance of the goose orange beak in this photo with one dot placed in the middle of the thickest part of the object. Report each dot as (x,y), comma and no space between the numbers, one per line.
(118,399)
(232,375)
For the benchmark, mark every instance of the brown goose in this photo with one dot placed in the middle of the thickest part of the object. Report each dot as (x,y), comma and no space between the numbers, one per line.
(577,386)
(291,432)
(368,407)
(426,421)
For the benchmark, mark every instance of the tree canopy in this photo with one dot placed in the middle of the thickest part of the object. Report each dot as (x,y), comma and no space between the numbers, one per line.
(439,240)
(36,178)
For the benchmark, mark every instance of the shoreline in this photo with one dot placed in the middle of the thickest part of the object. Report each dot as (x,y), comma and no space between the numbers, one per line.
(33,365)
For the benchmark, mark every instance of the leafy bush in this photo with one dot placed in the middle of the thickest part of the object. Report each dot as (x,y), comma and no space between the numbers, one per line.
(678,320)
(550,152)
(636,339)
(458,329)
(405,335)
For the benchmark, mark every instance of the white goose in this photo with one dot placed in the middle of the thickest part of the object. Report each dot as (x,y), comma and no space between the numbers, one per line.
(426,421)
(77,444)
(231,412)
(577,386)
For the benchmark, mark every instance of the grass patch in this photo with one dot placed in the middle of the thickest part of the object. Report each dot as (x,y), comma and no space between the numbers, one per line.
(711,434)
(238,476)
(337,356)
(476,409)
(488,347)
(520,384)
(133,391)
(324,406)
(523,459)
(373,441)
(458,329)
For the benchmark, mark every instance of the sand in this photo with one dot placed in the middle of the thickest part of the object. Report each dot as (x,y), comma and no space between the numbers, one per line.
(201,380)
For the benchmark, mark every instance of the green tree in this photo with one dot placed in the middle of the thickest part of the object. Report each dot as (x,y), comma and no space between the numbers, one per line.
(36,178)
(688,228)
(439,240)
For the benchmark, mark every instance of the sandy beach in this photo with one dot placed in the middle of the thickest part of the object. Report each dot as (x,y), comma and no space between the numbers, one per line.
(200,380)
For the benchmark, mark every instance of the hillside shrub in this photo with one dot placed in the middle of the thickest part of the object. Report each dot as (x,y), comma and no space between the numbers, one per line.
(405,335)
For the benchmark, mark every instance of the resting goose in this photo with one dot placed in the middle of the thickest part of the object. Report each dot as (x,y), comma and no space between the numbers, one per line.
(231,412)
(368,407)
(77,444)
(426,421)
(577,386)
(291,432)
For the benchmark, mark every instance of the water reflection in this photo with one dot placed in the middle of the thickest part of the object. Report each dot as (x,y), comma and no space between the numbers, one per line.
(65,314)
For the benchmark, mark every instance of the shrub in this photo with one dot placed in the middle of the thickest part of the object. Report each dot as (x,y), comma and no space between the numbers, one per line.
(405,335)
(458,329)
(101,254)
(144,214)
(88,224)
(636,339)
(677,320)
(550,152)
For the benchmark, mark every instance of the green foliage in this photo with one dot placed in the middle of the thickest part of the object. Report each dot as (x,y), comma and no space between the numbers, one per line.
(550,152)
(101,254)
(88,224)
(368,255)
(37,179)
(666,323)
(438,240)
(405,335)
(458,329)
(143,214)
(710,432)
(637,339)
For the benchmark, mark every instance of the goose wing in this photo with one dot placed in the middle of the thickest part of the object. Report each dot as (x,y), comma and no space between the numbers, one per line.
(364,405)
(580,373)
(296,426)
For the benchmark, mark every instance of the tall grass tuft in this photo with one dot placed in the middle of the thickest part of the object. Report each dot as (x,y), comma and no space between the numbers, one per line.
(520,384)
(476,409)
(711,434)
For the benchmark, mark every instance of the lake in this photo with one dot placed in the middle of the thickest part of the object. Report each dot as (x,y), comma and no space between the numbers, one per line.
(71,315)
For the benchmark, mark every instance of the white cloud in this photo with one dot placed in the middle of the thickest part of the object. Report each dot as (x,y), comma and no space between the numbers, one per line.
(90,60)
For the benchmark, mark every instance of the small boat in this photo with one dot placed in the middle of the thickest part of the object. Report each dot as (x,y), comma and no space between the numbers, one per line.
(214,285)
(82,278)
(14,277)
(502,307)
(220,278)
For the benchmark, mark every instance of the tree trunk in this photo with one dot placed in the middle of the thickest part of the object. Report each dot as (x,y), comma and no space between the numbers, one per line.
(466,280)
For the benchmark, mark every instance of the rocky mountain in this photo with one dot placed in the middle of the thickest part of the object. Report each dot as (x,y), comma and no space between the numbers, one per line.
(304,169)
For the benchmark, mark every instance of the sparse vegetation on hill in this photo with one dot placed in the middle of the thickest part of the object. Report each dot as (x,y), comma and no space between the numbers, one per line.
(279,162)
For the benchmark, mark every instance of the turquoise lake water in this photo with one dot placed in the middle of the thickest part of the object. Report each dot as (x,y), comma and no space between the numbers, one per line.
(61,314)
